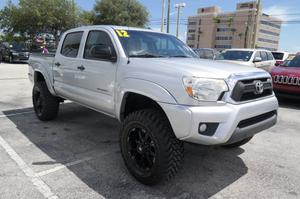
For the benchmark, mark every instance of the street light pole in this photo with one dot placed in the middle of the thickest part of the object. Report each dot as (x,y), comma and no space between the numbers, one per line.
(168,16)
(178,6)
(163,16)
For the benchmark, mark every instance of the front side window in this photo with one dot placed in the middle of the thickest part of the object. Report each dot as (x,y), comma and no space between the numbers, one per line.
(151,45)
(71,44)
(263,56)
(96,43)
(235,55)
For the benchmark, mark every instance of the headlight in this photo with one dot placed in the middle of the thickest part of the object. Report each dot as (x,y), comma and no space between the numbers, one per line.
(204,89)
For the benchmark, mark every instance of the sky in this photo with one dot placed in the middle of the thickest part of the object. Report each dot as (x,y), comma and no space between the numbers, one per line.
(286,10)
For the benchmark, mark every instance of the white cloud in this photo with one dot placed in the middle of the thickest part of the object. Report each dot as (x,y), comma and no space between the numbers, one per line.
(282,12)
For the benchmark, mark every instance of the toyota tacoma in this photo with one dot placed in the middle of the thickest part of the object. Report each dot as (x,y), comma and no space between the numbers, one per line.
(159,90)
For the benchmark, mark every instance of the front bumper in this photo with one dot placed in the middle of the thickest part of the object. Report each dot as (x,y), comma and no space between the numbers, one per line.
(185,120)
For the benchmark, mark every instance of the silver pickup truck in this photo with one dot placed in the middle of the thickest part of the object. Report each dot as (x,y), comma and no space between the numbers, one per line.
(158,89)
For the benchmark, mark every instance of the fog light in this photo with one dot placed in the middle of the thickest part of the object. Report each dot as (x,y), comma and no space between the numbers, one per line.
(207,129)
(202,128)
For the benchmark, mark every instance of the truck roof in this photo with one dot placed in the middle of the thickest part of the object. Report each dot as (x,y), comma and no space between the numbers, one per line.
(113,27)
(246,49)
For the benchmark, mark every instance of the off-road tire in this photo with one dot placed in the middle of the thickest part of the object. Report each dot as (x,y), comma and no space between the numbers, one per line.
(169,150)
(47,108)
(239,143)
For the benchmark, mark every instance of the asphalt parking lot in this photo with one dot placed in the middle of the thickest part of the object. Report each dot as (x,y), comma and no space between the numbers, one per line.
(78,156)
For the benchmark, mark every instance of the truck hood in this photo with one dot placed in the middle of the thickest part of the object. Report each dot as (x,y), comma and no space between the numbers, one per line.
(244,63)
(193,66)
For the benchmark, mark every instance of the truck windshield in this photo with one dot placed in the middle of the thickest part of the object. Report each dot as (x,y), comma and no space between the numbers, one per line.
(235,55)
(152,45)
(295,62)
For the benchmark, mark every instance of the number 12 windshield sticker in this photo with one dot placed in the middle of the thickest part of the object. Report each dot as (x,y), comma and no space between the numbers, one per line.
(122,33)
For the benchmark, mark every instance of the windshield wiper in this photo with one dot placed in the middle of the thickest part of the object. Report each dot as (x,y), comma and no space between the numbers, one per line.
(146,56)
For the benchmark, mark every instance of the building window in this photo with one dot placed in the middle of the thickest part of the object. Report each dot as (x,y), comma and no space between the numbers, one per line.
(268,41)
(266,48)
(192,30)
(223,46)
(270,24)
(224,38)
(191,37)
(269,32)
(223,29)
(191,23)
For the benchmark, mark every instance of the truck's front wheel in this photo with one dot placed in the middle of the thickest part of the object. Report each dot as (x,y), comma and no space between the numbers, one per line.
(149,147)
(45,105)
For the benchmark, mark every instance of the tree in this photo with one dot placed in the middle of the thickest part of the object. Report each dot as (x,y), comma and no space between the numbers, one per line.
(33,16)
(120,12)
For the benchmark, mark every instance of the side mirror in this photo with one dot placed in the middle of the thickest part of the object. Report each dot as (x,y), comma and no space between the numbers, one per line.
(103,51)
(257,59)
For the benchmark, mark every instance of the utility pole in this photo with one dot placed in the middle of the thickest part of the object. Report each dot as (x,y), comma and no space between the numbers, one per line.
(256,21)
(178,6)
(168,16)
(163,16)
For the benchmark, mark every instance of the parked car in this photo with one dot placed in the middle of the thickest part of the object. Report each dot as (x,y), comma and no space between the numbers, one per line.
(160,91)
(14,52)
(207,53)
(280,56)
(286,78)
(250,57)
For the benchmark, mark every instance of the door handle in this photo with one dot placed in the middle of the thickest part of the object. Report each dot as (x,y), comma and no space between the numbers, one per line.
(57,64)
(81,68)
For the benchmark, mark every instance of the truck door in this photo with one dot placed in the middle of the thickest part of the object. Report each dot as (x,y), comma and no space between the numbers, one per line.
(65,65)
(265,63)
(96,74)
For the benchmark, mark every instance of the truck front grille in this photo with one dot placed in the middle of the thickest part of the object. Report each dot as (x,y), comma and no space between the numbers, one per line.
(252,89)
(280,79)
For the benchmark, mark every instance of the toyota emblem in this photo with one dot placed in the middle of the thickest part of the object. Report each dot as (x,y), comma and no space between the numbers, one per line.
(259,87)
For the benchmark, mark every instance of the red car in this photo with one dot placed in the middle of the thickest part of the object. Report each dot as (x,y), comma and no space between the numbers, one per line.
(286,78)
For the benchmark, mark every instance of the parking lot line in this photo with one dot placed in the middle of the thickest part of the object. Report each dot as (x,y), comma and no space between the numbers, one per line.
(15,114)
(42,187)
(46,172)
(16,78)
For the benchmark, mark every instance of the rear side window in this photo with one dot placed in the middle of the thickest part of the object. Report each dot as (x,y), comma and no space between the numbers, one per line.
(270,56)
(71,44)
(278,56)
(263,56)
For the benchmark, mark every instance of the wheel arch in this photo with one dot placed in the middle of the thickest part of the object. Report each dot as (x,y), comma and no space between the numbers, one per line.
(141,94)
(39,76)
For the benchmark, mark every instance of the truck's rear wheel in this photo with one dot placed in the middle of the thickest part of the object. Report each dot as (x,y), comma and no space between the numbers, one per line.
(149,147)
(239,143)
(45,105)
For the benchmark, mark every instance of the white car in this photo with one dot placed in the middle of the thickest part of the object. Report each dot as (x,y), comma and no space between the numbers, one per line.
(280,56)
(259,58)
